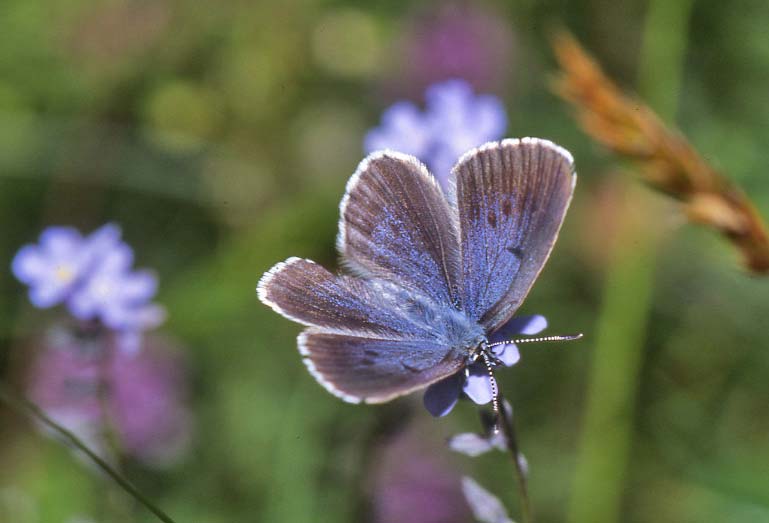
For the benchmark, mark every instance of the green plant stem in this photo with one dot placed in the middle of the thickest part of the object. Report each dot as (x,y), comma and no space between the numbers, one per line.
(607,435)
(662,55)
(617,357)
(511,441)
(25,407)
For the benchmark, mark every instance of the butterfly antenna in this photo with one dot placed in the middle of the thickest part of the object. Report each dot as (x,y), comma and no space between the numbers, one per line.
(540,339)
(494,391)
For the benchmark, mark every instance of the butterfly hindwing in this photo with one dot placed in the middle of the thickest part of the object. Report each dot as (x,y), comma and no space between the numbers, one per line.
(512,197)
(374,370)
(396,224)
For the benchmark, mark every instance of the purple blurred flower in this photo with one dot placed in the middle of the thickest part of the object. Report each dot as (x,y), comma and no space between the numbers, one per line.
(458,40)
(93,276)
(85,384)
(413,481)
(441,397)
(147,396)
(454,121)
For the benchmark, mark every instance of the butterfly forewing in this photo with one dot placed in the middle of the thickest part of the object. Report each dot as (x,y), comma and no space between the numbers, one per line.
(305,292)
(512,197)
(396,224)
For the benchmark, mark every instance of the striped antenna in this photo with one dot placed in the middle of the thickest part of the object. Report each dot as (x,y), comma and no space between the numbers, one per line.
(494,390)
(561,337)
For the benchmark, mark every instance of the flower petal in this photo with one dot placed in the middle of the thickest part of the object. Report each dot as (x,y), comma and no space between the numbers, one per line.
(441,397)
(535,324)
(115,259)
(101,241)
(82,304)
(29,264)
(477,385)
(449,100)
(138,286)
(486,507)
(490,118)
(470,444)
(473,445)
(527,325)
(403,129)
(45,295)
(61,242)
(507,353)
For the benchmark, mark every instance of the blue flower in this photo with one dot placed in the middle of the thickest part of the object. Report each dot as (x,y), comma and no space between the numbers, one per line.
(112,291)
(93,276)
(53,267)
(404,129)
(118,296)
(441,397)
(454,121)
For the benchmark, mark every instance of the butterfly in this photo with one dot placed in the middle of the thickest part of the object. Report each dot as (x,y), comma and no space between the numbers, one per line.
(428,277)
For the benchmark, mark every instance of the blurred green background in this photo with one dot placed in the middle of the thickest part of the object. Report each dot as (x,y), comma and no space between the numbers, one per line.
(220,136)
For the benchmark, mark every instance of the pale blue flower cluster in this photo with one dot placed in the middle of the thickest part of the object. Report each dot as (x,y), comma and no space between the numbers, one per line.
(93,276)
(454,121)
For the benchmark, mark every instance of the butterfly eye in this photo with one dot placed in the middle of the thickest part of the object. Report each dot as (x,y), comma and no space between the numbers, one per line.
(476,352)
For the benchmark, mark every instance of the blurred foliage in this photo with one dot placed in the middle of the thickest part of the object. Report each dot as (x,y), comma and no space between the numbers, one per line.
(221,136)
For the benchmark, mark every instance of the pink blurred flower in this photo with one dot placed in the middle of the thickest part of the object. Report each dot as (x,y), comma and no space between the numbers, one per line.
(98,392)
(458,41)
(415,481)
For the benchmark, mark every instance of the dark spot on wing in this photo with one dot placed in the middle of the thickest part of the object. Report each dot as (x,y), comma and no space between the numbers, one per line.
(367,361)
(515,251)
(492,218)
(409,367)
(507,208)
(370,353)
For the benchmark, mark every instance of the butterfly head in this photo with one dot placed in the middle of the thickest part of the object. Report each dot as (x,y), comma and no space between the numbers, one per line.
(482,351)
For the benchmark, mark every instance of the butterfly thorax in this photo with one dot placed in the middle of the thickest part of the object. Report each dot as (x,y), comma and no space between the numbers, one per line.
(445,323)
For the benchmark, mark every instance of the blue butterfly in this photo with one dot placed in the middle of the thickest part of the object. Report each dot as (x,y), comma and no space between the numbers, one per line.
(430,277)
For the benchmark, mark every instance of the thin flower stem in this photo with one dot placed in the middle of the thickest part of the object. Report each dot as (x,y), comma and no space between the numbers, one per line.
(26,407)
(511,441)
